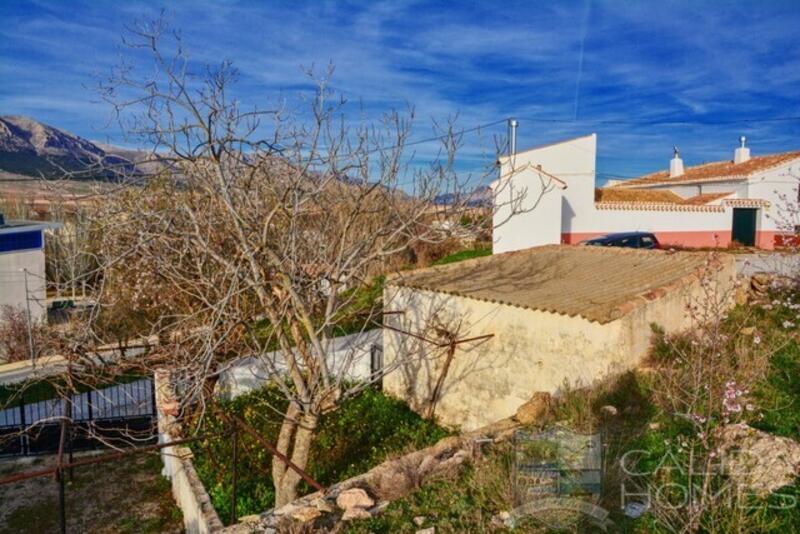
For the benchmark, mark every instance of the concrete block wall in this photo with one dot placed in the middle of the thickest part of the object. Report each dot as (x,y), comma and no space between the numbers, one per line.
(12,281)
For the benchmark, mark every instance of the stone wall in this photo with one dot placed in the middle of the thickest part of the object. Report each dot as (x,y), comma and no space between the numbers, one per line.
(368,494)
(199,516)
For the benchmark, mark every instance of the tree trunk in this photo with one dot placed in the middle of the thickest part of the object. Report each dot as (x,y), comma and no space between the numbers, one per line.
(294,441)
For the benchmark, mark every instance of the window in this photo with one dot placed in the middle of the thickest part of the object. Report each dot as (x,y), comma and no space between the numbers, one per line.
(646,242)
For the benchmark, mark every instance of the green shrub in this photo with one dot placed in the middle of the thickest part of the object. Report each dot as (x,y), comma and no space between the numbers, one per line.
(364,431)
(464,255)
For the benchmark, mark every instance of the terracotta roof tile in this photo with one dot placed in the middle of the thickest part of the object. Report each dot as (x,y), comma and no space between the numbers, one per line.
(611,194)
(706,198)
(746,202)
(598,283)
(718,170)
(659,206)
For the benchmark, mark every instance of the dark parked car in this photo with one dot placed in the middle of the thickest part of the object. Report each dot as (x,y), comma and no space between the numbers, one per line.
(625,239)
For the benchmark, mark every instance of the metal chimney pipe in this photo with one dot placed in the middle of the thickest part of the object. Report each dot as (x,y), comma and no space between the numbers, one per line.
(512,136)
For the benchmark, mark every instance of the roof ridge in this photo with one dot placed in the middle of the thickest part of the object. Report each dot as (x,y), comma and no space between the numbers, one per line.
(740,170)
(546,145)
(471,261)
(684,266)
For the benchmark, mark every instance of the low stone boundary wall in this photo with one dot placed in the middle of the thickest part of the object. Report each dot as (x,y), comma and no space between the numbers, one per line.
(368,494)
(361,496)
(199,516)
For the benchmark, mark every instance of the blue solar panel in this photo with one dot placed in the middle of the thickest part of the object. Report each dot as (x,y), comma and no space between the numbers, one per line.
(31,239)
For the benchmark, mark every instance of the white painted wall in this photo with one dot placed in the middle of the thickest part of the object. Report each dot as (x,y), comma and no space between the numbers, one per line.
(770,186)
(684,191)
(545,209)
(348,355)
(573,161)
(528,212)
(652,220)
(12,281)
(739,189)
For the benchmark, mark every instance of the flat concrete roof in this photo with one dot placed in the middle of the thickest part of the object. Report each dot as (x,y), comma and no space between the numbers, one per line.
(597,283)
(12,227)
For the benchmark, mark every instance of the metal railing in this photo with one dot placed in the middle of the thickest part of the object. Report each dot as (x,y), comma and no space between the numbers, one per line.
(95,416)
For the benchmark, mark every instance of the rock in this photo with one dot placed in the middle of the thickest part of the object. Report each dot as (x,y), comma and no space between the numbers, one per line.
(536,410)
(429,530)
(609,410)
(419,520)
(636,509)
(502,520)
(322,505)
(169,408)
(354,513)
(760,282)
(741,296)
(354,498)
(758,461)
(306,514)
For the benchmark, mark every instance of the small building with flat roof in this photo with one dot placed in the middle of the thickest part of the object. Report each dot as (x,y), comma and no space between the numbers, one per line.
(516,323)
(22,266)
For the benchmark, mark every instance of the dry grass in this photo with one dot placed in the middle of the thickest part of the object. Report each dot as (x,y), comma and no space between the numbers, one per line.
(116,497)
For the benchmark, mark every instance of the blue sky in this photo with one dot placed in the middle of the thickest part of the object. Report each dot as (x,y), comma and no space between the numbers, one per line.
(592,65)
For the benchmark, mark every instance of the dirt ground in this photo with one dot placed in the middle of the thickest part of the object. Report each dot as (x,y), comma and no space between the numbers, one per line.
(125,496)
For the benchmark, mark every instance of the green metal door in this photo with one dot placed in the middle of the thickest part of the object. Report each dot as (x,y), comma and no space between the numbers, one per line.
(744,226)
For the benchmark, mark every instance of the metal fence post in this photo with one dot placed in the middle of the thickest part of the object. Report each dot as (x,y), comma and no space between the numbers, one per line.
(235,470)
(23,435)
(30,331)
(153,408)
(69,413)
(62,501)
(90,416)
(376,366)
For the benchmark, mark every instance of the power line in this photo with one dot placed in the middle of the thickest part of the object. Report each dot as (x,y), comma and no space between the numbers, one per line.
(419,141)
(652,122)
(460,132)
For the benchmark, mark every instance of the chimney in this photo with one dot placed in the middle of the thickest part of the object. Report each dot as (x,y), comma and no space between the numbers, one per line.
(675,164)
(512,136)
(742,153)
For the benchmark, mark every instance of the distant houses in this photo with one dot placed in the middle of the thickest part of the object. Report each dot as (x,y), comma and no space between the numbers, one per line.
(547,195)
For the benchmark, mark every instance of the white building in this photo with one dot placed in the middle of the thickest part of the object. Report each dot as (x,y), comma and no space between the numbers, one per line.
(547,195)
(22,266)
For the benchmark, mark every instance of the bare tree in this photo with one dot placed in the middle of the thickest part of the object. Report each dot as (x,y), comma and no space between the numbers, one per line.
(255,235)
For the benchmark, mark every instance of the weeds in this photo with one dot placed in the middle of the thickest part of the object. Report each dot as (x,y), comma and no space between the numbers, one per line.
(364,431)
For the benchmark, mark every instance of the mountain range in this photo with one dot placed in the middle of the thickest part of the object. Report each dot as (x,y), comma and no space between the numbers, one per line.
(31,148)
(480,197)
